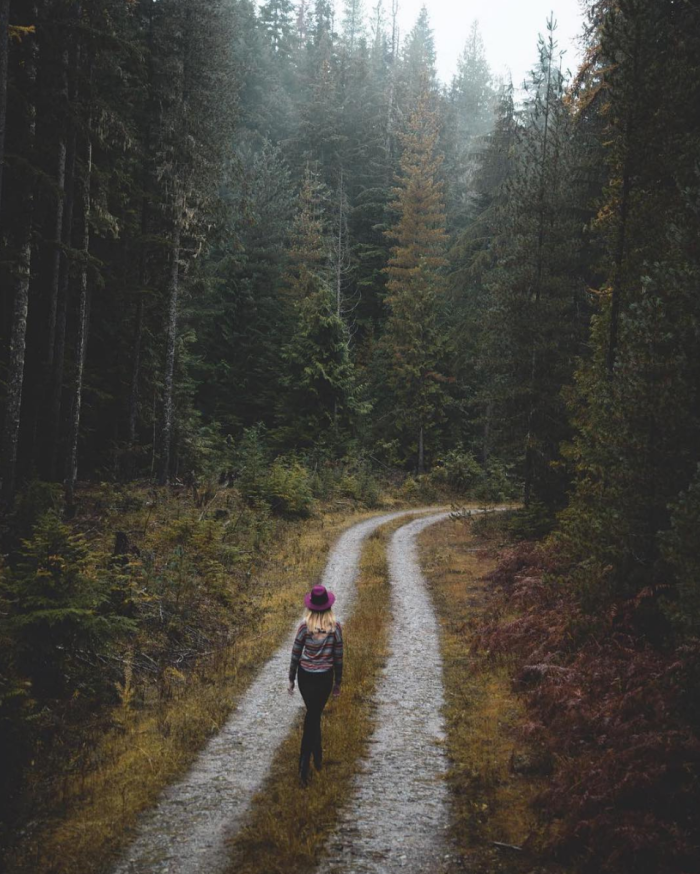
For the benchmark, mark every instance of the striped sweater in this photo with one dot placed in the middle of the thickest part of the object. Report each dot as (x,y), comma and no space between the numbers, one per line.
(324,654)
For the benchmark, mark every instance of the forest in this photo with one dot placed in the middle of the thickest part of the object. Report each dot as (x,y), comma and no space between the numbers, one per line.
(262,249)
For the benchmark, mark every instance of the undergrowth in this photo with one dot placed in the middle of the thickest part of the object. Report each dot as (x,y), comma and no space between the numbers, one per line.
(189,571)
(615,713)
(495,771)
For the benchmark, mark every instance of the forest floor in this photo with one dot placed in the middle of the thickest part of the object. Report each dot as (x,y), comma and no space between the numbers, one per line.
(426,767)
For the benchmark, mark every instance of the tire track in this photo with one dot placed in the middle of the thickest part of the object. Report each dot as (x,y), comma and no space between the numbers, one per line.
(186,832)
(399,812)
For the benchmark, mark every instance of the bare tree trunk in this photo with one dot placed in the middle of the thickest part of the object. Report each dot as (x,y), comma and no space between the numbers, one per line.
(134,393)
(18,337)
(169,376)
(4,59)
(135,373)
(81,340)
(15,378)
(421,451)
(61,152)
(57,343)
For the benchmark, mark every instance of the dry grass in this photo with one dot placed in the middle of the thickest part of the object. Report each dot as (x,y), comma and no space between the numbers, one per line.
(289,826)
(93,808)
(493,776)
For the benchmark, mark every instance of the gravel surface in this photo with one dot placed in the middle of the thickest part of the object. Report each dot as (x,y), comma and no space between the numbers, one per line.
(187,830)
(398,815)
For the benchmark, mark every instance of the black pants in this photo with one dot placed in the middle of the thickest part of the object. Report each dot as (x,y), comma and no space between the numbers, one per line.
(315,689)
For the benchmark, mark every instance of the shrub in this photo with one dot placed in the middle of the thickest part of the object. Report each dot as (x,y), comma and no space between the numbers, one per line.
(459,471)
(287,489)
(59,612)
(252,462)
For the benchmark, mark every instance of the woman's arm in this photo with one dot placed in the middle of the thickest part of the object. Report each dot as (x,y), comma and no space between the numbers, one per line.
(338,658)
(297,649)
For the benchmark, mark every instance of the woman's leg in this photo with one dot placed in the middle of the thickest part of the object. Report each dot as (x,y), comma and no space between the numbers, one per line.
(315,689)
(325,686)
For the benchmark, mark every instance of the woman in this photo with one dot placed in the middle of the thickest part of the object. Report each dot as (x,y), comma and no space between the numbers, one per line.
(317,654)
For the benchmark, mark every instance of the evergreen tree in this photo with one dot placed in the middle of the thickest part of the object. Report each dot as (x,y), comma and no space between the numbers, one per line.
(411,342)
(469,117)
(536,315)
(317,400)
(635,403)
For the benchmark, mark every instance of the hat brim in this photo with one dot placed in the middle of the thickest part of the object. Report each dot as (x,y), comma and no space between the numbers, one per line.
(330,599)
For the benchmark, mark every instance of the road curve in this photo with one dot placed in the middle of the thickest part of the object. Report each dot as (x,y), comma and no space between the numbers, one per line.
(399,813)
(186,832)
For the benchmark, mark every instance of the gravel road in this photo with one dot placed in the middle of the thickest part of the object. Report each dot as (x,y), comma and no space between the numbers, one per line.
(186,832)
(398,815)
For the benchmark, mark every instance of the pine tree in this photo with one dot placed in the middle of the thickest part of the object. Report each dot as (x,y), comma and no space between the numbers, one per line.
(411,343)
(635,403)
(317,403)
(535,315)
(469,117)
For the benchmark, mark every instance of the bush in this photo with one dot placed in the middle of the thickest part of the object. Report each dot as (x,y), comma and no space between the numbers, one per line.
(287,488)
(460,472)
(59,612)
(252,461)
(532,522)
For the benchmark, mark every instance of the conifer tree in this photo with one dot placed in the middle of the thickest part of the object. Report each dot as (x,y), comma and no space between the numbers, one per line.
(469,117)
(635,404)
(536,315)
(317,400)
(411,343)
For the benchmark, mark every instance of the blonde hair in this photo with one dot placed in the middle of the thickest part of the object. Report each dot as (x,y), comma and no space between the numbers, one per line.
(318,621)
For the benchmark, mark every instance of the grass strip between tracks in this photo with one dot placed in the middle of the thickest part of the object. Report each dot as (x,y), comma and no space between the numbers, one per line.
(289,826)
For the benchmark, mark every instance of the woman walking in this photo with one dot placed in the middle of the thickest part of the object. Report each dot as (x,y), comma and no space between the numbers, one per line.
(317,654)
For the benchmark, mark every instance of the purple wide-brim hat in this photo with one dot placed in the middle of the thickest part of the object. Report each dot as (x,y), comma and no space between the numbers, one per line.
(319,598)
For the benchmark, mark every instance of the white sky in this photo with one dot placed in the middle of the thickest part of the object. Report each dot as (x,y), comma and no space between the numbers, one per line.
(509,29)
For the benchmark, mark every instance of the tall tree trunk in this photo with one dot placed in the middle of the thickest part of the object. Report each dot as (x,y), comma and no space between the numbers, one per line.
(55,374)
(18,338)
(57,343)
(135,374)
(58,214)
(171,338)
(4,63)
(339,263)
(81,339)
(421,451)
(134,392)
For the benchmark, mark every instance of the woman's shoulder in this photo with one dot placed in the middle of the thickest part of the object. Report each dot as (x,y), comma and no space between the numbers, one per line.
(302,627)
(338,628)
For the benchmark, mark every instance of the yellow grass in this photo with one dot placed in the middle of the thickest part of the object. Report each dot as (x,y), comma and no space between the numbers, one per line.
(94,808)
(288,826)
(490,802)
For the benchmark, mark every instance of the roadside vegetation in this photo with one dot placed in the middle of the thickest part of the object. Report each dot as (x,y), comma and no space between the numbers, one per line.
(496,772)
(126,640)
(570,728)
